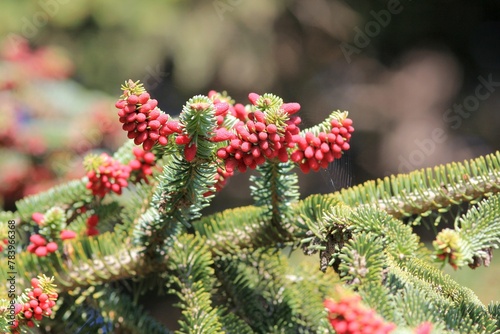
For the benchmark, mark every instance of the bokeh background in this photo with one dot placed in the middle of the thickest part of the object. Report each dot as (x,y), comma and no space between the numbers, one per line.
(421,79)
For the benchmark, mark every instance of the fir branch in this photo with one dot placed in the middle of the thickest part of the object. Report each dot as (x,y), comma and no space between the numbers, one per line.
(467,318)
(276,188)
(331,231)
(399,239)
(231,324)
(309,214)
(437,286)
(310,287)
(5,216)
(178,199)
(494,310)
(108,214)
(85,261)
(191,264)
(265,292)
(414,308)
(381,299)
(479,232)
(186,179)
(422,191)
(235,229)
(226,269)
(62,196)
(73,317)
(137,204)
(236,289)
(126,316)
(362,260)
(98,308)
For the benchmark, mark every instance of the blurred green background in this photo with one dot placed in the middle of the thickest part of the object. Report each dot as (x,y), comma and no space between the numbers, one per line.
(421,79)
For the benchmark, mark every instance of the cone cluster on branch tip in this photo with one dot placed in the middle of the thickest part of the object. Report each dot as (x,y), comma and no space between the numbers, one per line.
(315,152)
(267,129)
(106,174)
(51,230)
(39,245)
(144,122)
(38,303)
(257,140)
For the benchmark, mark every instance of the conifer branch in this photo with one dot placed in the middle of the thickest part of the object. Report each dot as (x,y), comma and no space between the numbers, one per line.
(422,191)
(191,264)
(275,189)
(475,235)
(186,178)
(87,261)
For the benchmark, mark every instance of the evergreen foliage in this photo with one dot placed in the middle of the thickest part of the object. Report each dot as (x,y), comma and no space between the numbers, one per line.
(228,270)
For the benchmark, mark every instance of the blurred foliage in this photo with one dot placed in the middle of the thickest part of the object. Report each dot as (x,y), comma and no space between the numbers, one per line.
(47,121)
(137,39)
